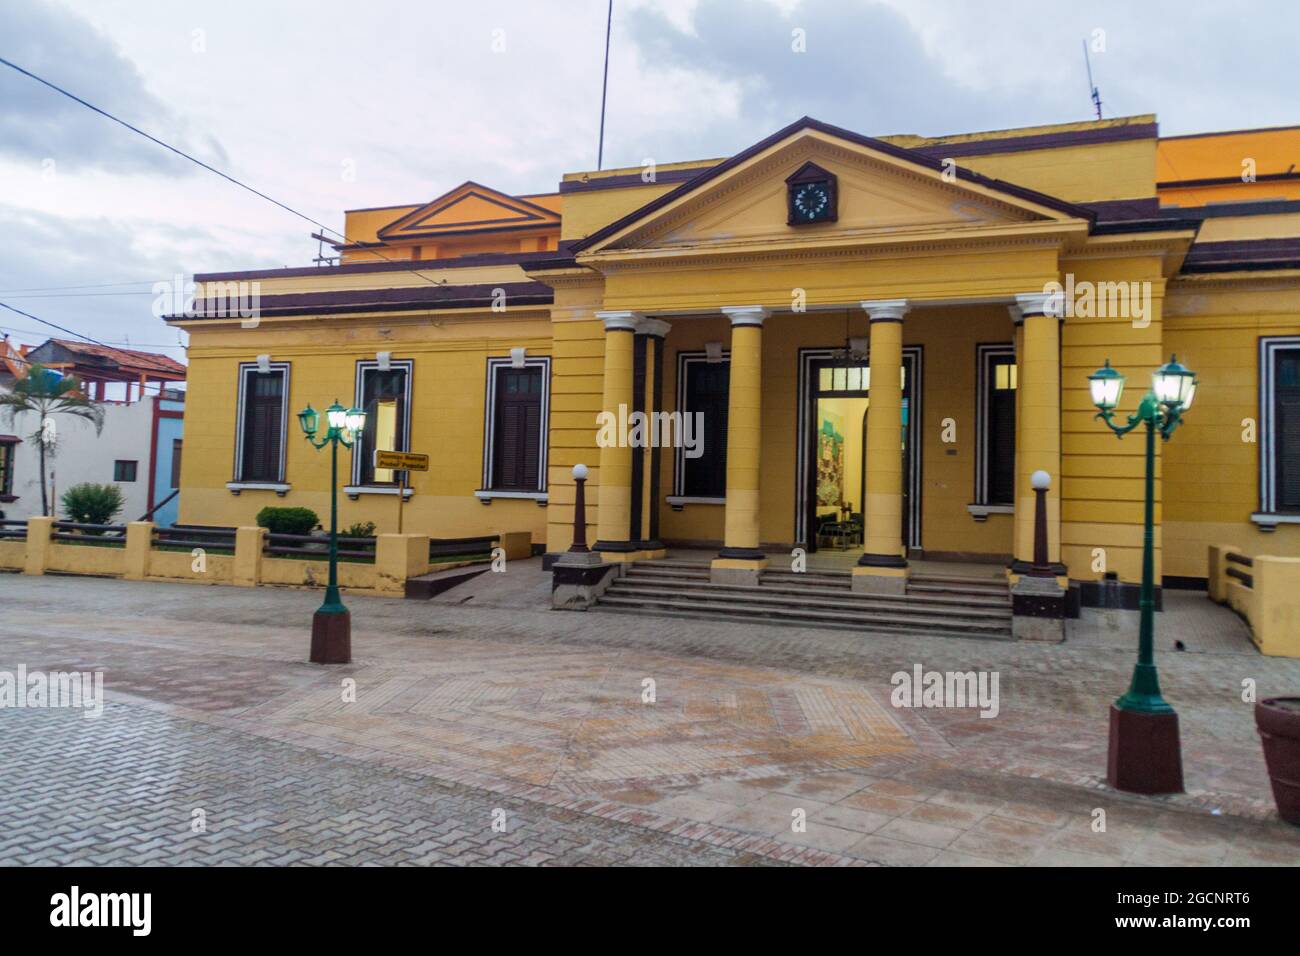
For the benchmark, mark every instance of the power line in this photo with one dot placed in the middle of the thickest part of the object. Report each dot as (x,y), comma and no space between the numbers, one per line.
(198,162)
(34,318)
(73,295)
(93,285)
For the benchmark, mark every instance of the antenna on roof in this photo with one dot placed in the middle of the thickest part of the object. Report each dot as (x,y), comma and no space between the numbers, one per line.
(604,88)
(1092,90)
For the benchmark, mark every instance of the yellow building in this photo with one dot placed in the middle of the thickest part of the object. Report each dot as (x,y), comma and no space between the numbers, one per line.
(868,344)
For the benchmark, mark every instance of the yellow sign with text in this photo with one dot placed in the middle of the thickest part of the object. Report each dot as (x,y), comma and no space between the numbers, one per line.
(401,460)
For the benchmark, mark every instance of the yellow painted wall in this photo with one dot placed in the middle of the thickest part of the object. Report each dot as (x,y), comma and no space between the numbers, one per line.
(1102,489)
(1212,471)
(1077,173)
(447,420)
(948,337)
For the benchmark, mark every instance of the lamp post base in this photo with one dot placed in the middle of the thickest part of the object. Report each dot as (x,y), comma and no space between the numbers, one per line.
(1145,756)
(331,637)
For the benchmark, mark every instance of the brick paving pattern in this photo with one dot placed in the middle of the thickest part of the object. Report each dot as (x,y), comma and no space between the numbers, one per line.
(481,699)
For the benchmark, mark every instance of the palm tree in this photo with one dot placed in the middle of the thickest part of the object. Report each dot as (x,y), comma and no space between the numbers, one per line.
(47,393)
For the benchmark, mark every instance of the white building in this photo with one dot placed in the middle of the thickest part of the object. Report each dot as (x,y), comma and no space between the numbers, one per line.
(138,449)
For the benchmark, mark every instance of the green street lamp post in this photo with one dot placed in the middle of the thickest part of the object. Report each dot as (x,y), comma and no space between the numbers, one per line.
(1144,755)
(331,626)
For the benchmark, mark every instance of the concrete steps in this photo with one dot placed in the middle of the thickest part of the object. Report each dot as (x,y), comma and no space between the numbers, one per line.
(960,606)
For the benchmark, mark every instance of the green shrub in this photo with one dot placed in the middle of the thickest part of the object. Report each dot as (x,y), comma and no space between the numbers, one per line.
(89,503)
(362,529)
(288,520)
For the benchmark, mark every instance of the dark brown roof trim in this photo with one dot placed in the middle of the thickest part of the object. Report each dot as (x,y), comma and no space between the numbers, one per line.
(556,262)
(630,179)
(808,122)
(1225,181)
(405,265)
(1233,132)
(1121,227)
(1252,254)
(1264,207)
(1110,210)
(390,300)
(1021,144)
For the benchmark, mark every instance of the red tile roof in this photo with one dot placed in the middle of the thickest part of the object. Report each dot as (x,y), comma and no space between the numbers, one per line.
(127,360)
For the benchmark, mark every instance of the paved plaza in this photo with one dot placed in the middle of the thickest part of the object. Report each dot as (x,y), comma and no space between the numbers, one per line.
(483,728)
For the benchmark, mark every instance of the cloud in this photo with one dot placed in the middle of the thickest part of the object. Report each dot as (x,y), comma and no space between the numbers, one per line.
(48,263)
(862,66)
(39,124)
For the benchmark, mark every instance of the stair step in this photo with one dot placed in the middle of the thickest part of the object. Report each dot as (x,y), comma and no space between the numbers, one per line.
(866,606)
(802,593)
(961,581)
(809,616)
(954,589)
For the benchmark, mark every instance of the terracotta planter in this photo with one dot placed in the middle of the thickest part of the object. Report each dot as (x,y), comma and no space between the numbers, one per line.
(1278,721)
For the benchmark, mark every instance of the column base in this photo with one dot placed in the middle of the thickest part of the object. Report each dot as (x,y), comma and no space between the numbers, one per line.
(651,550)
(331,637)
(737,570)
(1144,756)
(617,552)
(880,578)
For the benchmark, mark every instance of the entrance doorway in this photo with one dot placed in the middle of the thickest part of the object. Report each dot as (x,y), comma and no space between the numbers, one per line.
(835,395)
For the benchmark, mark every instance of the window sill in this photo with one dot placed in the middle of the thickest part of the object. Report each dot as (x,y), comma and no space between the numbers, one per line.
(356,491)
(486,495)
(677,502)
(8,499)
(982,512)
(1268,521)
(279,487)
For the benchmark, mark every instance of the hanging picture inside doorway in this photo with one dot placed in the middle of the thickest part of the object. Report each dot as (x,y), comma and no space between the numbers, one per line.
(830,458)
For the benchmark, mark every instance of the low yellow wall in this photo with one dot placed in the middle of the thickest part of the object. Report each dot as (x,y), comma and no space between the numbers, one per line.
(12,554)
(106,561)
(398,557)
(1270,604)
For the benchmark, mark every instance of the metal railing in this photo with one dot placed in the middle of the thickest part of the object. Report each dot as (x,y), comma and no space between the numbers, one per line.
(1236,573)
(461,547)
(188,537)
(77,532)
(313,546)
(13,529)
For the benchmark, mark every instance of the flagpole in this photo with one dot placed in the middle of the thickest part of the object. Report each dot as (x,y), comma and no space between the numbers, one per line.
(604,89)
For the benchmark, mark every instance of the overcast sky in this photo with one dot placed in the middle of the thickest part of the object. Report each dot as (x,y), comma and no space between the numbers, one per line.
(331,105)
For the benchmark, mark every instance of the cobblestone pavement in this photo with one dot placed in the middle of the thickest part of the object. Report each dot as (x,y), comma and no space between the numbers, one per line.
(480,700)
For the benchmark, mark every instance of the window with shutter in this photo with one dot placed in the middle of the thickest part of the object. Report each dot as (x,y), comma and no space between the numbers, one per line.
(1286,429)
(706,393)
(262,428)
(518,427)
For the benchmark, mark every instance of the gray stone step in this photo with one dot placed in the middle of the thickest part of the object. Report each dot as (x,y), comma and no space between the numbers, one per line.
(802,593)
(809,616)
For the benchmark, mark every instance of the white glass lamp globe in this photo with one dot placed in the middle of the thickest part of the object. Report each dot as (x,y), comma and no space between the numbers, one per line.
(1040,480)
(580,472)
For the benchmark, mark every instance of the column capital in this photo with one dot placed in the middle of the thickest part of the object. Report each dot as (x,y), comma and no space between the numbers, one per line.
(654,327)
(620,321)
(886,310)
(1037,303)
(745,314)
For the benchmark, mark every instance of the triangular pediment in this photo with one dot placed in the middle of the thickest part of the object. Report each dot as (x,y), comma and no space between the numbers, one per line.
(879,192)
(470,207)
